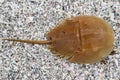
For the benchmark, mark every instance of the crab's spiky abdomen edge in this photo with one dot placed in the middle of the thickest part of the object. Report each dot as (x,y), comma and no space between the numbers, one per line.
(83,39)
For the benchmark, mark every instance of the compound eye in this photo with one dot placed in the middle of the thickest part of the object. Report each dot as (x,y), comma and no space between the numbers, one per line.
(49,38)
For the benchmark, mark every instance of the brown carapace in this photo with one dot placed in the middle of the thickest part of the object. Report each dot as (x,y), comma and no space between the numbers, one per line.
(81,39)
